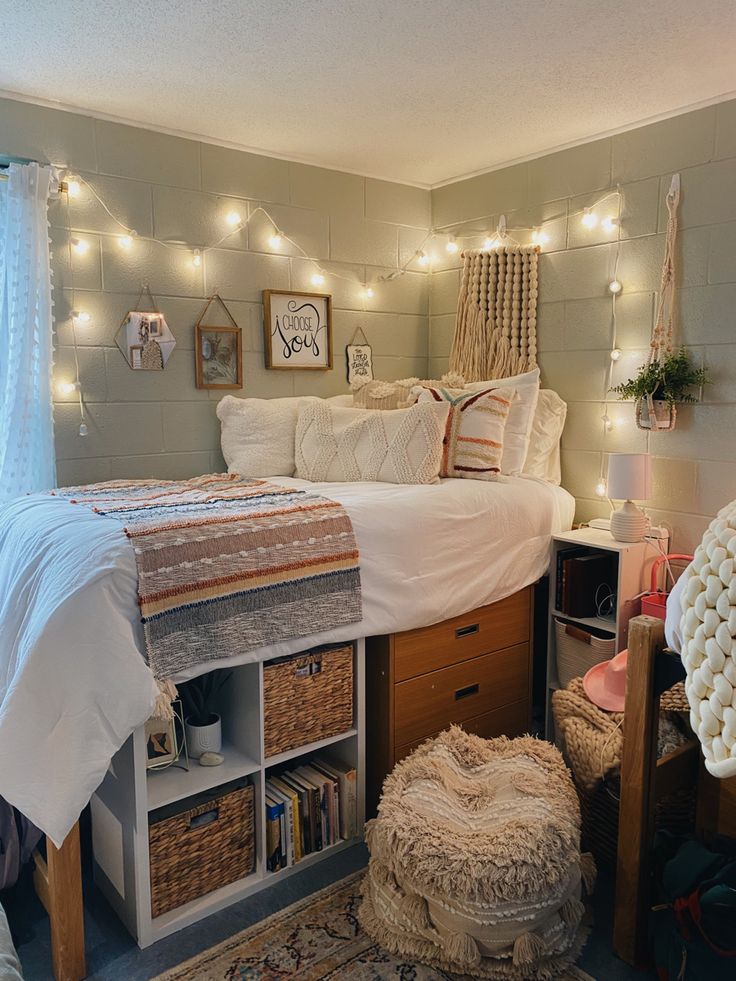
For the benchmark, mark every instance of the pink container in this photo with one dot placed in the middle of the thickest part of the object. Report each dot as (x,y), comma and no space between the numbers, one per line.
(654,603)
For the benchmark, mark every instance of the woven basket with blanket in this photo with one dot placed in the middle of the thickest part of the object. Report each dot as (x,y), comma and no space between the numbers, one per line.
(592,741)
(475,860)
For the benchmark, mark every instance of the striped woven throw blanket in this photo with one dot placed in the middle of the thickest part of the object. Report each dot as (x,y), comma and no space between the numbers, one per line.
(227,564)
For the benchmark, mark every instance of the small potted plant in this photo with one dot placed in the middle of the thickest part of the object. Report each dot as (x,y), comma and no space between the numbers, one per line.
(203,724)
(659,387)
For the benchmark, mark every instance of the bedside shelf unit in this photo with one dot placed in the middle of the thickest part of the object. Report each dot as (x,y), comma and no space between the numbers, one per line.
(633,562)
(122,803)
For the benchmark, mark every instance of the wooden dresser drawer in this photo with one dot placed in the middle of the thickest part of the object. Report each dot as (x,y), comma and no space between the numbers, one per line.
(461,692)
(490,628)
(509,720)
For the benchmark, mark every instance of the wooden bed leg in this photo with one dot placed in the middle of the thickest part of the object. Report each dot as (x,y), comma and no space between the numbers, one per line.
(58,882)
(636,812)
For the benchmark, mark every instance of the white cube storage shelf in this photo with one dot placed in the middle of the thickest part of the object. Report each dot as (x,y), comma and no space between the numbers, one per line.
(128,793)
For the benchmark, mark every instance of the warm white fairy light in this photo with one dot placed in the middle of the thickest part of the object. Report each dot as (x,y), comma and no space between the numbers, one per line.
(276,240)
(422,258)
(609,224)
(126,241)
(81,318)
(607,422)
(452,246)
(80,245)
(601,488)
(615,286)
(233,218)
(196,258)
(368,292)
(539,237)
(490,243)
(318,279)
(589,220)
(68,387)
(83,429)
(73,187)
(616,354)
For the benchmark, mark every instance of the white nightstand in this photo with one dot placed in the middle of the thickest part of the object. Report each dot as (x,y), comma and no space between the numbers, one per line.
(633,564)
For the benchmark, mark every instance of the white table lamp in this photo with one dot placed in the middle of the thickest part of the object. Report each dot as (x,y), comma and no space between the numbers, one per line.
(629,480)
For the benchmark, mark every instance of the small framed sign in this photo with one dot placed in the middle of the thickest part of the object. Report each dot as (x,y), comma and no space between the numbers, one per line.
(297,330)
(360,363)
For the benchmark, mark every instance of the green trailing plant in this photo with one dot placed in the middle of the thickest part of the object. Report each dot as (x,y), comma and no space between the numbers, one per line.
(668,381)
(199,696)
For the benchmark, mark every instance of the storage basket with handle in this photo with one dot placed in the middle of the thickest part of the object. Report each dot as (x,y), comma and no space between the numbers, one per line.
(579,649)
(200,844)
(654,603)
(307,697)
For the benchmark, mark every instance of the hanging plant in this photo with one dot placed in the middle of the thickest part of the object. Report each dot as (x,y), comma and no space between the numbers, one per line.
(660,386)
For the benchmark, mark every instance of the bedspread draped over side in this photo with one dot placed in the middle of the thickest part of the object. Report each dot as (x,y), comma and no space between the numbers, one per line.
(228,564)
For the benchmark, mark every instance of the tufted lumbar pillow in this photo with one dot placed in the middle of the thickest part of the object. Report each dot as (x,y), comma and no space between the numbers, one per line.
(475,859)
(403,446)
(473,444)
(709,642)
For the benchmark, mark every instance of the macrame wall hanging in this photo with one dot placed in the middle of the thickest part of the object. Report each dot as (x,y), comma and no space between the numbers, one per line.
(496,324)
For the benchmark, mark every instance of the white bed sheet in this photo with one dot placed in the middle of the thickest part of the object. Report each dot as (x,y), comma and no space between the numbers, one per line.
(73,683)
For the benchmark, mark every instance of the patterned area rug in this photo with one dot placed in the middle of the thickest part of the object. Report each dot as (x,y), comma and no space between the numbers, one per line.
(315,939)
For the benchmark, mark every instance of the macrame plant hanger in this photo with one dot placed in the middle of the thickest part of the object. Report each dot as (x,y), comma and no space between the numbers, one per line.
(651,414)
(496,322)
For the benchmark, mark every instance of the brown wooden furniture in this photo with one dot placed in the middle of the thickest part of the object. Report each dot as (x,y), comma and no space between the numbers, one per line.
(58,882)
(473,670)
(652,669)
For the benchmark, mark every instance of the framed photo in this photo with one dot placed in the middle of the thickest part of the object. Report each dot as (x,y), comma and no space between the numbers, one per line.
(219,357)
(297,330)
(161,747)
(145,340)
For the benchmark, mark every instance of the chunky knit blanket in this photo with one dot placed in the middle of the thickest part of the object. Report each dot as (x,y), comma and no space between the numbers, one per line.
(228,564)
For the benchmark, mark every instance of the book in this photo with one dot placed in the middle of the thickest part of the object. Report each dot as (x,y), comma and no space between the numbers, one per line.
(584,577)
(296,818)
(315,807)
(562,555)
(311,825)
(325,800)
(274,854)
(335,799)
(285,815)
(347,777)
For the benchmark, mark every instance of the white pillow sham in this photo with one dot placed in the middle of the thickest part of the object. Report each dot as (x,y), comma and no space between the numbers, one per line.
(543,457)
(398,446)
(520,419)
(257,435)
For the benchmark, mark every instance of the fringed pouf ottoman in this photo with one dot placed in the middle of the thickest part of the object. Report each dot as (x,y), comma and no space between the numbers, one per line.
(475,859)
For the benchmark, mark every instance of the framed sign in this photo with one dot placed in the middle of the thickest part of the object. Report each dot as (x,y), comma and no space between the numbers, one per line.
(218,351)
(297,330)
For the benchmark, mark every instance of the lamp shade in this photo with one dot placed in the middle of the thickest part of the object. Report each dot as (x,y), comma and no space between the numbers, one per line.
(629,476)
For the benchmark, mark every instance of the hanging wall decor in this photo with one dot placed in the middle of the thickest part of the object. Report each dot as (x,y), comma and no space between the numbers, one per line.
(297,330)
(359,358)
(144,338)
(218,350)
(496,325)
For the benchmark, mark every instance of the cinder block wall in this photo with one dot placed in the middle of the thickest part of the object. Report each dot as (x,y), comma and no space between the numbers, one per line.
(160,424)
(694,466)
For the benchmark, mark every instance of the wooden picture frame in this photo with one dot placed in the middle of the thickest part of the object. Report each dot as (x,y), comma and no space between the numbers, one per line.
(218,351)
(304,342)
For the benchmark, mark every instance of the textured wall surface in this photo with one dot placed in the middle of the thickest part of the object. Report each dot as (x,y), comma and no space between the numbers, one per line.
(694,466)
(159,423)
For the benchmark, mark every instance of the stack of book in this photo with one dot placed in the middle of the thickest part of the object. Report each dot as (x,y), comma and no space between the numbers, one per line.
(307,809)
(584,579)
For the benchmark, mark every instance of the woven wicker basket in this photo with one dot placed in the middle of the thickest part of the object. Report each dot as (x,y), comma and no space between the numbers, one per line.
(200,849)
(578,650)
(307,697)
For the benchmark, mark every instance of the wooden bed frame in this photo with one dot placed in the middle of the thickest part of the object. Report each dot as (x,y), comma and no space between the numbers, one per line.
(652,669)
(58,882)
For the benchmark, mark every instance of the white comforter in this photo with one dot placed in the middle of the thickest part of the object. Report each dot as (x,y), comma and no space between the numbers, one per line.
(73,684)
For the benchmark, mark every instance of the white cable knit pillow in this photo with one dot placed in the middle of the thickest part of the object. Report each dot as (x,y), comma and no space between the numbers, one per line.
(709,642)
(399,446)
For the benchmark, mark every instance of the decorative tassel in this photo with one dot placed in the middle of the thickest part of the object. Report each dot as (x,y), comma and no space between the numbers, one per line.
(166,694)
(528,948)
(588,871)
(461,949)
(381,873)
(571,911)
(414,908)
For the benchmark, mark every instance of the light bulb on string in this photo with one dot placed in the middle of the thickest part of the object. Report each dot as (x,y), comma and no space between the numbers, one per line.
(276,239)
(422,258)
(233,218)
(73,187)
(81,318)
(616,354)
(607,422)
(609,224)
(126,241)
(80,245)
(83,429)
(318,279)
(615,287)
(490,243)
(601,488)
(368,292)
(589,220)
(68,387)
(196,258)
(452,246)
(539,237)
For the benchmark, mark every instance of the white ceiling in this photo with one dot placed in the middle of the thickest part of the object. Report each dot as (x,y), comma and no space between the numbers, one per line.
(416,90)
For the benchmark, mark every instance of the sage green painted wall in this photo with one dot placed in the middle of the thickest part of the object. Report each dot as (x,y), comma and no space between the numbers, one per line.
(160,424)
(694,466)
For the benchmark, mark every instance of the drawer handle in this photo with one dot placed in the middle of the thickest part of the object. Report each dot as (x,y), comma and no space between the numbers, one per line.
(468,690)
(202,820)
(472,628)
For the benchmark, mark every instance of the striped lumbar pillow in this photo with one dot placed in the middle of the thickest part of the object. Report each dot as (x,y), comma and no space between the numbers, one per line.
(473,444)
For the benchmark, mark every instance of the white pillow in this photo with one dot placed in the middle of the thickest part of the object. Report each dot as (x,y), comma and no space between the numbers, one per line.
(257,435)
(521,417)
(543,457)
(399,446)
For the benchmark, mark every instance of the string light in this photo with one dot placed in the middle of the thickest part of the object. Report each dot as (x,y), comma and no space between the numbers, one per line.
(539,237)
(422,258)
(368,292)
(318,279)
(68,388)
(81,318)
(609,224)
(80,245)
(615,286)
(607,422)
(452,245)
(126,241)
(73,187)
(490,243)
(615,354)
(601,488)
(276,240)
(196,258)
(589,220)
(83,429)
(233,219)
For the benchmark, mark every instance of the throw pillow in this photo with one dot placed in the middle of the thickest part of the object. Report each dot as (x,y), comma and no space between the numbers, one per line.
(403,446)
(543,457)
(397,394)
(473,444)
(521,417)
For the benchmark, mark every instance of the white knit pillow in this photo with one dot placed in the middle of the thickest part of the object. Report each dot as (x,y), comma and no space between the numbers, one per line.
(399,446)
(543,455)
(708,628)
(521,417)
(258,434)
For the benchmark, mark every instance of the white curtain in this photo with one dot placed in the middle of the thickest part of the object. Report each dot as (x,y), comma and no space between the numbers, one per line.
(26,357)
